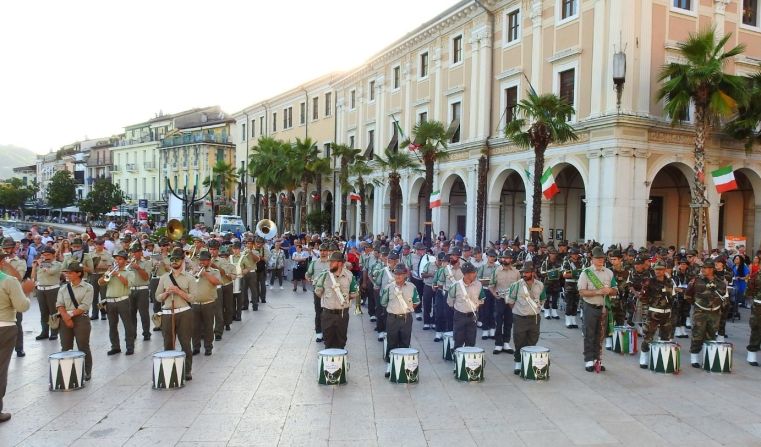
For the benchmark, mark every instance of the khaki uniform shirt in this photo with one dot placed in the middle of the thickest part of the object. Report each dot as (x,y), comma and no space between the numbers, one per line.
(102,261)
(225,269)
(431,269)
(241,261)
(486,272)
(502,278)
(526,301)
(606,277)
(316,268)
(83,292)
(383,276)
(135,279)
(115,288)
(12,298)
(445,279)
(205,291)
(49,276)
(185,281)
(18,264)
(390,298)
(324,289)
(161,264)
(83,258)
(462,303)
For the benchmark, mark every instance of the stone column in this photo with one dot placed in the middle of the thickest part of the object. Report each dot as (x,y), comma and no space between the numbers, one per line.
(434,106)
(471,190)
(473,102)
(536,44)
(719,10)
(640,198)
(598,48)
(492,222)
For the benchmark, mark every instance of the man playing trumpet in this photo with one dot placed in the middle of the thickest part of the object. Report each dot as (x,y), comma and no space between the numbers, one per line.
(205,308)
(139,281)
(117,304)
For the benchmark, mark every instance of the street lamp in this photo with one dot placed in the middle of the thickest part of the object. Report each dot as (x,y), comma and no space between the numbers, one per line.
(619,75)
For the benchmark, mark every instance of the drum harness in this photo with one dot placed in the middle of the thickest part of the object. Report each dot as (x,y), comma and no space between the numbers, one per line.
(337,290)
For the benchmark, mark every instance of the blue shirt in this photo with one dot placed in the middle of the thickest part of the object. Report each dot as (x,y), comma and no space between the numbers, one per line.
(740,284)
(32,254)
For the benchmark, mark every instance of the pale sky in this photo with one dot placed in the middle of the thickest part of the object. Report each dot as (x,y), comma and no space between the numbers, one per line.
(83,68)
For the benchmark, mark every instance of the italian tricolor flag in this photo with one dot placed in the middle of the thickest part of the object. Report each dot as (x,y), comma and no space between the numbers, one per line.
(353,196)
(435,199)
(724,179)
(549,187)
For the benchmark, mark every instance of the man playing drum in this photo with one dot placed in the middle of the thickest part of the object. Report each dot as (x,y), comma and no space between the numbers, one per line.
(658,297)
(525,297)
(464,296)
(73,304)
(336,288)
(399,299)
(707,293)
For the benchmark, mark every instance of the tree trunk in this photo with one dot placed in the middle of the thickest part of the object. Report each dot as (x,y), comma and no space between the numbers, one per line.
(427,190)
(394,185)
(318,185)
(697,225)
(536,200)
(344,194)
(211,193)
(481,200)
(362,207)
(302,223)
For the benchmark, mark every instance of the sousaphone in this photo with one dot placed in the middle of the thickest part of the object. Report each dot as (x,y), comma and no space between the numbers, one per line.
(266,229)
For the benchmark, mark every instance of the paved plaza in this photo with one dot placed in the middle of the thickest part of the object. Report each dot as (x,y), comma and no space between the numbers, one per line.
(260,388)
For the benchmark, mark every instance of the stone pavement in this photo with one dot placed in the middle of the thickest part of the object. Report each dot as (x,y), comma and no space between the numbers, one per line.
(260,388)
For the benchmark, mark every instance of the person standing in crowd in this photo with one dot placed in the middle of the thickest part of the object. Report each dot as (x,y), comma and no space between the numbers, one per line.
(335,287)
(399,299)
(658,296)
(316,268)
(204,307)
(242,266)
(73,304)
(16,267)
(741,274)
(572,267)
(225,301)
(47,272)
(301,263)
(525,298)
(502,279)
(707,292)
(276,265)
(13,299)
(464,297)
(102,262)
(139,297)
(595,284)
(117,304)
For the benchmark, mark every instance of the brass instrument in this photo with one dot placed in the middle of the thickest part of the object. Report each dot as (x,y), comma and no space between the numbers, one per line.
(199,273)
(266,229)
(108,274)
(174,229)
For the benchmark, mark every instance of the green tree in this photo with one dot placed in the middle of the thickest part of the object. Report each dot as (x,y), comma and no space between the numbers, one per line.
(103,196)
(360,169)
(62,190)
(540,120)
(266,165)
(746,126)
(14,193)
(430,140)
(395,162)
(701,82)
(223,179)
(347,156)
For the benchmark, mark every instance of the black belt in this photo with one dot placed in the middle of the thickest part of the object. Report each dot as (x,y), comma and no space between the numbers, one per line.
(400,316)
(468,314)
(334,311)
(593,305)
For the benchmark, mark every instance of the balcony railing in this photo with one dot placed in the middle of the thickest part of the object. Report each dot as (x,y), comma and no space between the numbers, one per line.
(131,167)
(131,141)
(114,168)
(149,165)
(191,139)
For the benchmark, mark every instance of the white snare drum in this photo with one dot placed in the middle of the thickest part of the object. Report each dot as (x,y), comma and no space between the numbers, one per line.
(168,370)
(448,345)
(535,363)
(624,340)
(331,367)
(665,357)
(404,365)
(717,356)
(469,364)
(67,370)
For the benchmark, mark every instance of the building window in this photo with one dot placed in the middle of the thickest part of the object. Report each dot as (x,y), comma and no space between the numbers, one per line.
(327,103)
(243,133)
(750,12)
(511,100)
(424,65)
(274,121)
(457,50)
(302,113)
(513,26)
(371,92)
(289,118)
(566,87)
(261,125)
(326,148)
(371,138)
(253,131)
(315,107)
(454,125)
(351,141)
(422,117)
(683,4)
(568,8)
(397,76)
(353,100)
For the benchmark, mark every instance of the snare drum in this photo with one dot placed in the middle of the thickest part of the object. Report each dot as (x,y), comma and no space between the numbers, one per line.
(331,367)
(168,370)
(535,363)
(665,357)
(448,345)
(624,340)
(469,364)
(67,370)
(404,365)
(717,356)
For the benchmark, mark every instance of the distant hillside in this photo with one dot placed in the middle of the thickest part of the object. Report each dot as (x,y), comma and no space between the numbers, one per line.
(13,157)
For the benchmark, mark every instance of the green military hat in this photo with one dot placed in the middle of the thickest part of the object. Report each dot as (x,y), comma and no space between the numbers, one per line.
(135,247)
(401,269)
(442,256)
(177,254)
(615,253)
(528,266)
(683,260)
(491,253)
(121,254)
(224,250)
(323,246)
(659,266)
(333,246)
(336,256)
(205,255)
(708,263)
(506,253)
(419,246)
(213,243)
(393,256)
(8,242)
(468,268)
(384,250)
(455,251)
(73,266)
(75,242)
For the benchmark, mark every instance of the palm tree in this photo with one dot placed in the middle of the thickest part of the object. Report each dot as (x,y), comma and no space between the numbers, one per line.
(746,125)
(430,140)
(545,120)
(266,165)
(360,169)
(395,162)
(348,156)
(701,82)
(316,169)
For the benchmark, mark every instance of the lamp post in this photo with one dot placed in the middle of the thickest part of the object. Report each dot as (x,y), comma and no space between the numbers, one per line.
(619,75)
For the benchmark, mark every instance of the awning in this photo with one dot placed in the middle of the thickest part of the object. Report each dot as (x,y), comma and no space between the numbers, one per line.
(393,145)
(71,209)
(454,126)
(369,151)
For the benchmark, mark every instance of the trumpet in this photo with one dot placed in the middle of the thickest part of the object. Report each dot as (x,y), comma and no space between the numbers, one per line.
(199,273)
(108,274)
(357,306)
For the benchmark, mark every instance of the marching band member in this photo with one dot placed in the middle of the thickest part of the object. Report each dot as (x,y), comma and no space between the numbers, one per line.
(464,296)
(486,312)
(47,272)
(204,307)
(102,261)
(706,292)
(572,267)
(15,267)
(315,269)
(595,284)
(12,300)
(225,306)
(525,298)
(175,291)
(618,302)
(262,253)
(117,304)
(77,254)
(754,343)
(658,297)
(427,275)
(277,263)
(383,277)
(549,273)
(502,278)
(139,296)
(73,303)
(722,272)
(448,274)
(242,265)
(681,308)
(399,299)
(160,262)
(416,262)
(336,288)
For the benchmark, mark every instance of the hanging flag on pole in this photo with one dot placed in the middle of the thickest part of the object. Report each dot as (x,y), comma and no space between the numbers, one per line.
(413,147)
(353,196)
(549,187)
(435,200)
(724,179)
